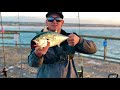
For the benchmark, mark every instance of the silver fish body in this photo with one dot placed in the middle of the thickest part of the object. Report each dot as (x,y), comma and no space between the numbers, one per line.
(53,37)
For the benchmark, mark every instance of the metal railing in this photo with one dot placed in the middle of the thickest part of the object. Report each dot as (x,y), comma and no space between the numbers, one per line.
(88,36)
(105,38)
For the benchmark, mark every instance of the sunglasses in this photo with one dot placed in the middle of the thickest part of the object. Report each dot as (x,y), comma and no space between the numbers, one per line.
(51,19)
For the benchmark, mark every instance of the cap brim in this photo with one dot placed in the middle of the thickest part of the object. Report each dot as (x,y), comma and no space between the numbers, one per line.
(48,14)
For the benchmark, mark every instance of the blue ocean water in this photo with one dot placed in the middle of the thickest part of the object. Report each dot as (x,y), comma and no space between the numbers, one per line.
(113,49)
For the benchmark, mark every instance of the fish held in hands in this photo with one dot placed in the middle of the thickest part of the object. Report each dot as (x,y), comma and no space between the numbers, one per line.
(53,37)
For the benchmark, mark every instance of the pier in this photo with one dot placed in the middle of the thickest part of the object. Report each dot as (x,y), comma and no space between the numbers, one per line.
(92,67)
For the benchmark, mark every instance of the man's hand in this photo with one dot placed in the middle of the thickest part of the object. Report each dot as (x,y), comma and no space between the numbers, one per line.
(39,52)
(73,39)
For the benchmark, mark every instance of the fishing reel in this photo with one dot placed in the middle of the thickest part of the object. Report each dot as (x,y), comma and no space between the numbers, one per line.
(80,72)
(4,72)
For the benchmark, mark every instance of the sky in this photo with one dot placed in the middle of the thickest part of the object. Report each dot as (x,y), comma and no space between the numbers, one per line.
(38,14)
(102,17)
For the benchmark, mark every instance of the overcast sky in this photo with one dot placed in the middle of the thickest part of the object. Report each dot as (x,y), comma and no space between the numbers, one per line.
(103,17)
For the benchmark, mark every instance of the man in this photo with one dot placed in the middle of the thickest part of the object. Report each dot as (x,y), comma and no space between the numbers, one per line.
(57,61)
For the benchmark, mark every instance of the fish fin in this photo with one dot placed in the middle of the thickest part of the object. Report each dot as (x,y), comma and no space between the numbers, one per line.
(36,42)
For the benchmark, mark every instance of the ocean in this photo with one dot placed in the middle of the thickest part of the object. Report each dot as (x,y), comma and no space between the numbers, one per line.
(113,49)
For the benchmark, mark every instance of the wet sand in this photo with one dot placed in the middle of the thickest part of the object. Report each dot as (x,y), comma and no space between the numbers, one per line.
(17,66)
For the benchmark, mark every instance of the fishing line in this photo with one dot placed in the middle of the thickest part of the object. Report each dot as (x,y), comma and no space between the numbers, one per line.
(80,66)
(20,44)
(79,22)
(2,30)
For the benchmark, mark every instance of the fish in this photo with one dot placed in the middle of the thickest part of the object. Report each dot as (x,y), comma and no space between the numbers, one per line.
(53,37)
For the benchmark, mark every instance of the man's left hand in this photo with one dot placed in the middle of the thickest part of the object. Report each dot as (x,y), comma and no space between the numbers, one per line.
(73,39)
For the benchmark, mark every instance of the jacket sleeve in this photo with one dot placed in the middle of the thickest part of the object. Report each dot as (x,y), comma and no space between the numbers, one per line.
(33,59)
(86,46)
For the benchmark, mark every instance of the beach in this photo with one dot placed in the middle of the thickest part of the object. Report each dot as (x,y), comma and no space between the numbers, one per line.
(16,64)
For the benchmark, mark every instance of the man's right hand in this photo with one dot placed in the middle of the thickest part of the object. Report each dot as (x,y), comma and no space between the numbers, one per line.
(39,52)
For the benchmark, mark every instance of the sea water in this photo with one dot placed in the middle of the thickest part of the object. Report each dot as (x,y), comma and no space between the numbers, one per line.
(113,49)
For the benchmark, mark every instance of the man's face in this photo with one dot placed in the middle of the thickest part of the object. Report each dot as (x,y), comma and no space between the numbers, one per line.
(54,22)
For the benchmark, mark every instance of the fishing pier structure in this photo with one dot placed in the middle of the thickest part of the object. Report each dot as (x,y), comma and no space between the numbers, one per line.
(15,35)
(104,38)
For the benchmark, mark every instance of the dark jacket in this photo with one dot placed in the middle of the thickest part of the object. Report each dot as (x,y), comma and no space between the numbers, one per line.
(56,63)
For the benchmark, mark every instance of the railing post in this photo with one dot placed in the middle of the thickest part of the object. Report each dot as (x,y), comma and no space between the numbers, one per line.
(105,48)
(16,41)
(16,36)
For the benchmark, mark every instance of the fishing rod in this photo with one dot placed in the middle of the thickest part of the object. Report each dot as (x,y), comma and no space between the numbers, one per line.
(4,71)
(80,66)
(20,45)
(79,21)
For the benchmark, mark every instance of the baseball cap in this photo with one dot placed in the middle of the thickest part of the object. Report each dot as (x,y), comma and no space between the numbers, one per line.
(60,13)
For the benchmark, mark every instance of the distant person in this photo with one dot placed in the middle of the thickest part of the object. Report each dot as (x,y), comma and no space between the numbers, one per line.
(58,62)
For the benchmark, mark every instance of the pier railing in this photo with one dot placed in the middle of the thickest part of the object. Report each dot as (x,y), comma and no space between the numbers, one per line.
(105,39)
